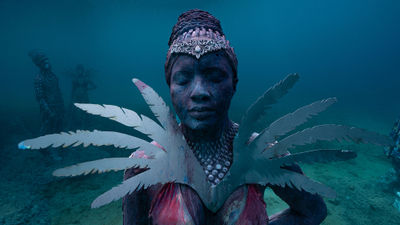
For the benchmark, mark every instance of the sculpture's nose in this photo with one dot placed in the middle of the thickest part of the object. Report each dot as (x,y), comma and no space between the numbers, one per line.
(200,91)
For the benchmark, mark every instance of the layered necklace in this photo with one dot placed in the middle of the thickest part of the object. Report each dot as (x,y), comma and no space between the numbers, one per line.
(216,156)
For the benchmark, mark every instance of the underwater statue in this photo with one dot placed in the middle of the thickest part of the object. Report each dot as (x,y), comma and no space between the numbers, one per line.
(48,95)
(81,85)
(393,151)
(207,169)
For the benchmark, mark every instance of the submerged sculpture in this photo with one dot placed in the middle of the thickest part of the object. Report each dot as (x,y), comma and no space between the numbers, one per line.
(81,85)
(253,163)
(48,95)
(392,151)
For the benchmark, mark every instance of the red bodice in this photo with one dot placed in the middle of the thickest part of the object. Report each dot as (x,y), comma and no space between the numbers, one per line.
(177,204)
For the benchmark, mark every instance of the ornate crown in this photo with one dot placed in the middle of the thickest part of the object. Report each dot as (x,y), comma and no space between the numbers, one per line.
(198,42)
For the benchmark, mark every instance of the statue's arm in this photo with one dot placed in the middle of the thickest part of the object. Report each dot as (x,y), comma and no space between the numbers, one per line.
(304,208)
(135,206)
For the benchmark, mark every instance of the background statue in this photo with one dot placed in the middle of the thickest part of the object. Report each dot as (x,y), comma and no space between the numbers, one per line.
(393,151)
(48,95)
(81,85)
(392,178)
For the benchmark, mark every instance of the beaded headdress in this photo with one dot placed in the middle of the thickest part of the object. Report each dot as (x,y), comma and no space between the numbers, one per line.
(197,33)
(198,42)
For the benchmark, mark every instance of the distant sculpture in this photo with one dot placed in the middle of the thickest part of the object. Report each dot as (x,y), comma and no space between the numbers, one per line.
(81,85)
(48,95)
(393,152)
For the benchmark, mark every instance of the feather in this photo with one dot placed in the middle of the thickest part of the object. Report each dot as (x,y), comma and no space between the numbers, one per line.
(264,102)
(142,180)
(96,138)
(290,121)
(126,117)
(156,104)
(284,177)
(101,165)
(302,182)
(326,132)
(314,156)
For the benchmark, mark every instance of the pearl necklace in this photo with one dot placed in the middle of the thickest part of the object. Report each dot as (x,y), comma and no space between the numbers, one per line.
(216,156)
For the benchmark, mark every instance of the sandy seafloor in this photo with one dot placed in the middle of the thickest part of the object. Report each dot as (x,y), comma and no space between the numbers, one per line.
(30,195)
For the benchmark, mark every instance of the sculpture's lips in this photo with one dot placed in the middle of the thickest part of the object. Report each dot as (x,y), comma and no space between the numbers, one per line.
(201,112)
(201,109)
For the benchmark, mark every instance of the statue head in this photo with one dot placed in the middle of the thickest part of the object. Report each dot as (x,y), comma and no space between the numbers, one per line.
(40,60)
(201,71)
(80,70)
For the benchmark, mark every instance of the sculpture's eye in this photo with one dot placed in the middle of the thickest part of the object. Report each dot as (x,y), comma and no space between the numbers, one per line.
(181,78)
(215,75)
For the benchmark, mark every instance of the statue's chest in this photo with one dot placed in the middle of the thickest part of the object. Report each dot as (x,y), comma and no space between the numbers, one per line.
(50,83)
(180,204)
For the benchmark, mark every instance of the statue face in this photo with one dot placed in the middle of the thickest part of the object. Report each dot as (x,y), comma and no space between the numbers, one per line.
(201,90)
(80,70)
(46,65)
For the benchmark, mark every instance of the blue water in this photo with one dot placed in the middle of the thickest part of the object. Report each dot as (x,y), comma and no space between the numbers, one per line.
(344,49)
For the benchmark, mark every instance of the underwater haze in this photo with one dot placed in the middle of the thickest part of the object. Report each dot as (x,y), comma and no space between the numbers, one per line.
(344,49)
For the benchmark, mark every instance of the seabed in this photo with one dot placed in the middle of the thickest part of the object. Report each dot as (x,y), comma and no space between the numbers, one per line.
(30,195)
